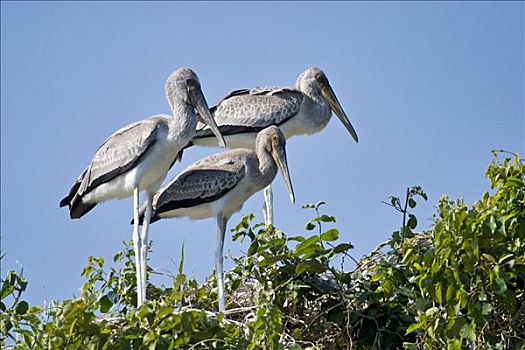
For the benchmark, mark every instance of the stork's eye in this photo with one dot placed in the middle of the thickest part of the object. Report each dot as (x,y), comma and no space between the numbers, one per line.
(192,84)
(275,138)
(321,79)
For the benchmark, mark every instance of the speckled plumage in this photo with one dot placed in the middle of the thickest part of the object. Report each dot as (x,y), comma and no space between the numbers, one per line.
(251,110)
(205,180)
(121,151)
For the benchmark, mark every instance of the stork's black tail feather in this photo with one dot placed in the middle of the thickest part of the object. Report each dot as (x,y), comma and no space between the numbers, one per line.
(71,195)
(65,201)
(77,209)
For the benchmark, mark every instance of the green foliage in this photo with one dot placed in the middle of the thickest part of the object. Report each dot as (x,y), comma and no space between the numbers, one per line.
(278,279)
(463,281)
(296,287)
(469,278)
(459,285)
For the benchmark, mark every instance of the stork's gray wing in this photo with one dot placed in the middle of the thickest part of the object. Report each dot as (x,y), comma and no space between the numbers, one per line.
(251,110)
(121,152)
(203,182)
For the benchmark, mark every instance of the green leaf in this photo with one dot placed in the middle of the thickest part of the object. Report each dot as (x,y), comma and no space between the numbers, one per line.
(343,247)
(312,266)
(387,287)
(22,307)
(489,257)
(492,224)
(273,259)
(181,263)
(499,286)
(407,254)
(309,226)
(297,334)
(422,304)
(505,257)
(412,203)
(330,235)
(451,292)
(377,276)
(253,248)
(412,221)
(468,331)
(7,289)
(326,218)
(438,291)
(307,247)
(410,346)
(514,181)
(436,266)
(413,327)
(164,311)
(454,344)
(105,304)
(462,296)
(486,309)
(395,202)
(474,243)
(149,337)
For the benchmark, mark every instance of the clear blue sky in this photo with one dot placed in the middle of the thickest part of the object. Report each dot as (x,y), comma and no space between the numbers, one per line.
(431,88)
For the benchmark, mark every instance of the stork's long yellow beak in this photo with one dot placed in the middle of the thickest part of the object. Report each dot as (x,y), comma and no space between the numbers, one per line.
(329,95)
(280,158)
(197,98)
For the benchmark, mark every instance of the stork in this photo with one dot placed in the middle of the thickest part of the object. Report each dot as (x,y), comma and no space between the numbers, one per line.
(305,109)
(137,158)
(218,185)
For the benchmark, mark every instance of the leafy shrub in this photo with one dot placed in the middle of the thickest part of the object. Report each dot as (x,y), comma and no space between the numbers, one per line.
(459,285)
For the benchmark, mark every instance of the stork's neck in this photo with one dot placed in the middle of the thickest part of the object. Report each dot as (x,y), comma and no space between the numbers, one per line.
(184,121)
(267,166)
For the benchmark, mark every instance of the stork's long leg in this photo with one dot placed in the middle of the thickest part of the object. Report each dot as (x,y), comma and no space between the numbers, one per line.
(137,244)
(144,247)
(268,205)
(221,229)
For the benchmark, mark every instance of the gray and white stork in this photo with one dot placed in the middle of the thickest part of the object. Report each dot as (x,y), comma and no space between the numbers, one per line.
(303,109)
(137,158)
(218,185)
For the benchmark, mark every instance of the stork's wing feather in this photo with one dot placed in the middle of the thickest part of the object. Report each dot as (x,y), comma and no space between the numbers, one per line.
(251,110)
(73,190)
(121,152)
(203,182)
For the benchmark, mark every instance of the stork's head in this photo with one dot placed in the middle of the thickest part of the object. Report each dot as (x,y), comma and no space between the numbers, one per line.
(273,141)
(314,80)
(183,86)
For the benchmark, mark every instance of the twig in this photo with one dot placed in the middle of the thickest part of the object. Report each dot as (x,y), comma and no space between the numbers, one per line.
(239,310)
(405,208)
